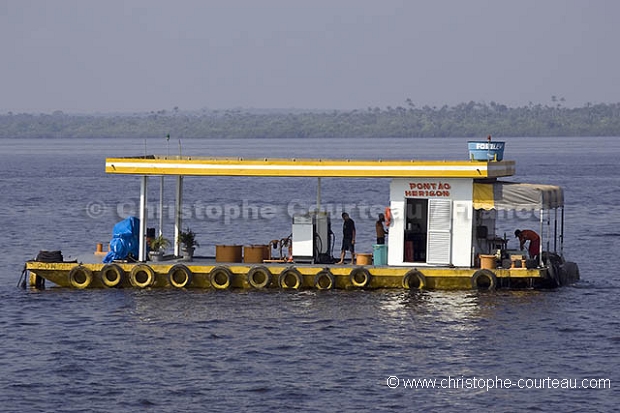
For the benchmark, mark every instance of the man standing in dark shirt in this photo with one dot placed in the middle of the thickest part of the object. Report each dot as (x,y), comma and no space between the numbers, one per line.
(348,238)
(381,231)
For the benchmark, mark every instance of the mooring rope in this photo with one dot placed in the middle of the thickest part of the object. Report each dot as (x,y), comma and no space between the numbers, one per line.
(22,279)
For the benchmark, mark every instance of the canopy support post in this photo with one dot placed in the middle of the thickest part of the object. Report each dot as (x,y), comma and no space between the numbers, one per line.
(143,202)
(318,194)
(540,248)
(161,206)
(178,213)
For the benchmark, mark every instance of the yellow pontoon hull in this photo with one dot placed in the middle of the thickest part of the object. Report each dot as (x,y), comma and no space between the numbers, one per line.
(286,276)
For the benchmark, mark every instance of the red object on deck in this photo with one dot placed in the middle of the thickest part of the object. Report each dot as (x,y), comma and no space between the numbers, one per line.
(408,251)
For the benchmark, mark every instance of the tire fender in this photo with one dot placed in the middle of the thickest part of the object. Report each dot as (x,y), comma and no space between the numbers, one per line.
(220,277)
(179,276)
(80,277)
(324,280)
(360,277)
(414,280)
(484,280)
(112,275)
(290,278)
(259,277)
(142,276)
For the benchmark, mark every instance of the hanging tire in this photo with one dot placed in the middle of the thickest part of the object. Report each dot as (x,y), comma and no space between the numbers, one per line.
(259,277)
(360,277)
(484,280)
(142,276)
(80,277)
(552,275)
(414,280)
(179,276)
(112,275)
(220,277)
(290,279)
(324,280)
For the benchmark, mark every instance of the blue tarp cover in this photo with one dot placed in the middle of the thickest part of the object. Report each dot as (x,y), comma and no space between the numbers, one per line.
(125,240)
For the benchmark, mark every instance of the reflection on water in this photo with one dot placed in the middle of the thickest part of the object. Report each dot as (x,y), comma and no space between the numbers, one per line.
(452,306)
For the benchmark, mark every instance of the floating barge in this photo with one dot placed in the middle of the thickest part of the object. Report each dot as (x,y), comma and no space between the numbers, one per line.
(441,232)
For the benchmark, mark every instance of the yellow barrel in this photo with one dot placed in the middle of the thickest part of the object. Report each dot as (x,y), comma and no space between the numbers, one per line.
(255,253)
(228,253)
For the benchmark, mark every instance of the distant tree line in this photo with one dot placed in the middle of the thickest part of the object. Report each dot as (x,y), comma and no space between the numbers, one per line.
(471,119)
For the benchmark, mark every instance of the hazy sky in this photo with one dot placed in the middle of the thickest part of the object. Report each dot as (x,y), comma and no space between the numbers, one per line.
(136,56)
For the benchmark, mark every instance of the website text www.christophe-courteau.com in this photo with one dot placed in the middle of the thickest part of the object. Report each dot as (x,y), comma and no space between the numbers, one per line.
(493,383)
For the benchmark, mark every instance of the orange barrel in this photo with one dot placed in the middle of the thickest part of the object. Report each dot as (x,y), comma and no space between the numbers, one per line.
(255,253)
(487,261)
(228,253)
(267,252)
(364,259)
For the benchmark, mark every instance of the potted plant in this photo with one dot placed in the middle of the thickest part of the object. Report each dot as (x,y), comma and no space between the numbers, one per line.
(158,246)
(188,242)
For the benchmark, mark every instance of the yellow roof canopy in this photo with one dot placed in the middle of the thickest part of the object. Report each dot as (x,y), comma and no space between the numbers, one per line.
(344,168)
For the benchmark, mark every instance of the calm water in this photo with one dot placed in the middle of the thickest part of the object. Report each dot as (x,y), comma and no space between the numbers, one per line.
(176,351)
